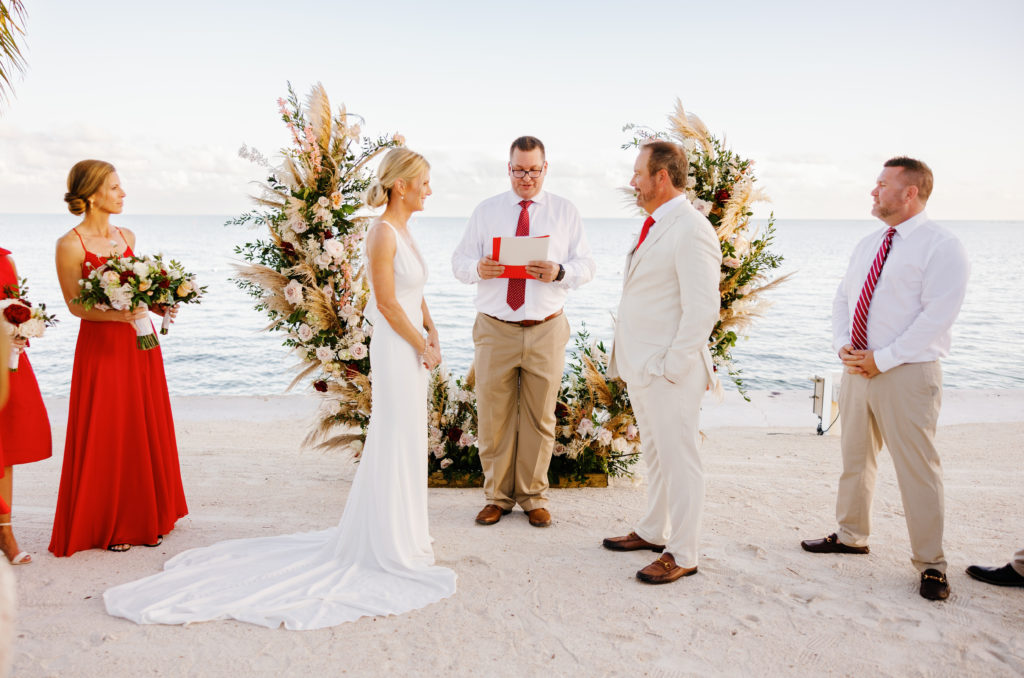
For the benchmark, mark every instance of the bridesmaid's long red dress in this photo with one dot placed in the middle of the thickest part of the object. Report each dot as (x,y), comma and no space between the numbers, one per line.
(120,483)
(24,426)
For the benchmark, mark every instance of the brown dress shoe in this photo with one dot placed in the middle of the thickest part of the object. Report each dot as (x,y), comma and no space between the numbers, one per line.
(631,542)
(491,514)
(664,570)
(539,517)
(831,544)
(934,585)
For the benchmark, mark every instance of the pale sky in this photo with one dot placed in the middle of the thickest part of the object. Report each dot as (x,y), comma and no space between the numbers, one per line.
(818,94)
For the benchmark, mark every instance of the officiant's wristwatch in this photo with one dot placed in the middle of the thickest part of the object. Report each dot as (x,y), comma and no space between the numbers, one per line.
(561,274)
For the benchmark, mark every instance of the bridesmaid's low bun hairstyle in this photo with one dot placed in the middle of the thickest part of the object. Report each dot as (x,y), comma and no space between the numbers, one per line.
(399,163)
(76,205)
(84,179)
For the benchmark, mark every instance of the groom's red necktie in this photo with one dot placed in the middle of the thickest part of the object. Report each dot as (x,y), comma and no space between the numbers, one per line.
(643,232)
(859,330)
(516,294)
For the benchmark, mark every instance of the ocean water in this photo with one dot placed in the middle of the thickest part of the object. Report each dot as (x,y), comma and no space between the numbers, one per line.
(218,347)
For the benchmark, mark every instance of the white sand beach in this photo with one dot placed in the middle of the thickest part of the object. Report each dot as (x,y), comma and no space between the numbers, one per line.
(553,602)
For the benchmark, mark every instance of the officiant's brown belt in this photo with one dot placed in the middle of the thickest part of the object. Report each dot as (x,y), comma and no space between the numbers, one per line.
(527,323)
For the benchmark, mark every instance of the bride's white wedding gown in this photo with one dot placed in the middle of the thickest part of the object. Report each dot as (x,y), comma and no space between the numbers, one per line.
(377,561)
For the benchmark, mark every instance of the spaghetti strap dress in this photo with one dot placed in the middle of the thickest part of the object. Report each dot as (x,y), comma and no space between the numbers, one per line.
(120,482)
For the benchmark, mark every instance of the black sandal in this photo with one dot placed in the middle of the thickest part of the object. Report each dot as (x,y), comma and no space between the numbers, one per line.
(119,548)
(159,540)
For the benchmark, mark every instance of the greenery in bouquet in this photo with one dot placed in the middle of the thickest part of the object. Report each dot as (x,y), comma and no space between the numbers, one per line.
(306,273)
(24,319)
(127,283)
(721,185)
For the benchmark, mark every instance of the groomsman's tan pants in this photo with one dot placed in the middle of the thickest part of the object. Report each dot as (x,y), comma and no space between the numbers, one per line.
(899,407)
(518,374)
(1018,562)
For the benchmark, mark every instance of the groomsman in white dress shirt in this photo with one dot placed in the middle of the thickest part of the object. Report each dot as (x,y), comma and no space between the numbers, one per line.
(892,320)
(520,332)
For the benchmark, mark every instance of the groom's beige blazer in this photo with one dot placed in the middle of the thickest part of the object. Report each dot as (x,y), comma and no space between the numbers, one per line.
(670,301)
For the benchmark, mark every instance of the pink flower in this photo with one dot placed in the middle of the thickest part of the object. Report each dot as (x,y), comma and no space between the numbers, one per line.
(446,462)
(631,432)
(604,436)
(467,440)
(359,351)
(731,262)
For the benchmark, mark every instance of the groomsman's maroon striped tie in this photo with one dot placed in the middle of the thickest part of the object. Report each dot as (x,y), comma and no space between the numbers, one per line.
(859,331)
(516,294)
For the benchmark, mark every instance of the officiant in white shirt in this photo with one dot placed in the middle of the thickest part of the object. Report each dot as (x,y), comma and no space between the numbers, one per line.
(521,332)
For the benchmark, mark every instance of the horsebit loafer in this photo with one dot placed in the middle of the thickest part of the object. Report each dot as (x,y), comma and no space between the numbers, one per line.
(664,570)
(934,585)
(831,544)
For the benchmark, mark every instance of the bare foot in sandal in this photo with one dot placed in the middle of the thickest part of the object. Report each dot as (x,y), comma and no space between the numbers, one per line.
(9,545)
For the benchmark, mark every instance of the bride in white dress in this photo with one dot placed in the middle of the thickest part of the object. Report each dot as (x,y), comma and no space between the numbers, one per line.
(379,559)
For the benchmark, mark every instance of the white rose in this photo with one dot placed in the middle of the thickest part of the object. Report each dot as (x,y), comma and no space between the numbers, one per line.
(140,268)
(359,351)
(702,206)
(560,450)
(466,440)
(446,462)
(324,353)
(323,260)
(604,436)
(620,445)
(293,292)
(31,328)
(305,332)
(298,225)
(323,201)
(438,450)
(110,278)
(586,427)
(334,248)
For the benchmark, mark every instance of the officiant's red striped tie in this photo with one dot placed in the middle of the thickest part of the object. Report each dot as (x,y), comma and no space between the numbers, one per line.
(516,294)
(859,331)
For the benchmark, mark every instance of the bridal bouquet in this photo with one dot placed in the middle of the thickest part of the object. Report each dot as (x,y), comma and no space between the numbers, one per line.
(24,320)
(127,283)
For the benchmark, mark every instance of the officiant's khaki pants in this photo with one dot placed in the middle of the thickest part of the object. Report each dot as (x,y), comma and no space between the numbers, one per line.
(1018,562)
(518,374)
(900,408)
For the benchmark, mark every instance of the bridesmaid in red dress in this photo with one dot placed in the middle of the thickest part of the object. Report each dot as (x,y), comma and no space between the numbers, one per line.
(120,484)
(24,426)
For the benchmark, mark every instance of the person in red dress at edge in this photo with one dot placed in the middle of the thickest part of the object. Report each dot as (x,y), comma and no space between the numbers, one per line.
(120,484)
(24,426)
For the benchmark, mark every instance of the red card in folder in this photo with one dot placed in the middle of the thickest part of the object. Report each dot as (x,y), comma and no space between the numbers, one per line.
(515,266)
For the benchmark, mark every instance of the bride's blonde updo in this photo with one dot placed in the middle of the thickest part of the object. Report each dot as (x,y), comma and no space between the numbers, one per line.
(399,163)
(84,179)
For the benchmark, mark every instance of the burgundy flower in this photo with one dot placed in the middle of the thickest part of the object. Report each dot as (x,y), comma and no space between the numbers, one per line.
(722,195)
(320,385)
(561,410)
(164,284)
(454,433)
(17,314)
(288,247)
(328,234)
(126,276)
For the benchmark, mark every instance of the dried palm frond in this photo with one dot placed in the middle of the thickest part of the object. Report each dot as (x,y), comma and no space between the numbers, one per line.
(306,370)
(688,126)
(337,442)
(306,273)
(318,114)
(596,383)
(322,306)
(264,276)
(470,381)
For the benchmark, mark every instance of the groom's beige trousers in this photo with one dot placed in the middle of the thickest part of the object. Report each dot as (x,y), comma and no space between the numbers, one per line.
(518,374)
(899,407)
(668,417)
(1018,562)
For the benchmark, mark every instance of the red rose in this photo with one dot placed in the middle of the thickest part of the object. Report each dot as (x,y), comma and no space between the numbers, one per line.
(722,195)
(561,410)
(454,433)
(320,385)
(17,314)
(328,235)
(126,276)
(164,284)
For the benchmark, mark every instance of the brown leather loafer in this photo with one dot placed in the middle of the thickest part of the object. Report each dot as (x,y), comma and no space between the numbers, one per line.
(631,542)
(664,570)
(491,514)
(539,517)
(831,544)
(934,585)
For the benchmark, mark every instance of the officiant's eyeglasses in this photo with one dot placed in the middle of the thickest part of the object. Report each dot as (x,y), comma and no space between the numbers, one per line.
(520,173)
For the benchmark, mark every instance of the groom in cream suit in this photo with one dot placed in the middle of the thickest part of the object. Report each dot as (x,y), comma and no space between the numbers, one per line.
(669,307)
